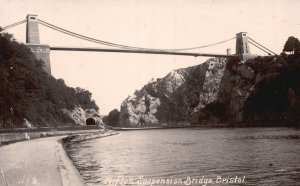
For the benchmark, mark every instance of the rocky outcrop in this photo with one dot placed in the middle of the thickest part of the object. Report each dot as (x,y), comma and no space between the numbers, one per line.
(235,88)
(79,116)
(139,110)
(176,98)
(92,113)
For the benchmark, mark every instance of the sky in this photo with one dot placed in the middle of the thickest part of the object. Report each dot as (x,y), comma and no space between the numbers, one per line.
(112,77)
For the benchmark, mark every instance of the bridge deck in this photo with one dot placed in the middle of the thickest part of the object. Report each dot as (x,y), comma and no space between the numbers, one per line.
(162,52)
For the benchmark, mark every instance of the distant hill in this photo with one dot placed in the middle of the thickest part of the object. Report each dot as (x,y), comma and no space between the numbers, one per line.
(28,92)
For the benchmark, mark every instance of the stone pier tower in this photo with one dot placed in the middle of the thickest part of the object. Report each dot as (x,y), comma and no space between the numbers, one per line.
(242,46)
(41,51)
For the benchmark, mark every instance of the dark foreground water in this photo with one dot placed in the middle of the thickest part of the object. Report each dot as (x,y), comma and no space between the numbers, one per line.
(244,156)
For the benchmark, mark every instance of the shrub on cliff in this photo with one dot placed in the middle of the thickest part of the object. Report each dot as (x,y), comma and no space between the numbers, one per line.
(27,91)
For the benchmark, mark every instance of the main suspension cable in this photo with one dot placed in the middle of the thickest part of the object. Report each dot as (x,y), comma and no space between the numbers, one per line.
(13,25)
(120,45)
(82,36)
(116,45)
(204,46)
(270,51)
(259,48)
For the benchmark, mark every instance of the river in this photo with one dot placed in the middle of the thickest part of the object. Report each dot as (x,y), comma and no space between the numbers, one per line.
(220,156)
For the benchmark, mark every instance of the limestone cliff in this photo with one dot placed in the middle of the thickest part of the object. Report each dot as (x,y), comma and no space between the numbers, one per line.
(235,88)
(261,92)
(174,99)
(80,116)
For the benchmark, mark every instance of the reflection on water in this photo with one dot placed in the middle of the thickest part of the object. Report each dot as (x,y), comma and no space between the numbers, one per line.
(265,156)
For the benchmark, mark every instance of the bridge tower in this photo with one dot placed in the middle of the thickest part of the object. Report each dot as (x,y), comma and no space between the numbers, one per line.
(242,47)
(41,51)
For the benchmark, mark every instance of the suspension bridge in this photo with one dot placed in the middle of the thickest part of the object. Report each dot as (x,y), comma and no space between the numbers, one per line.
(42,51)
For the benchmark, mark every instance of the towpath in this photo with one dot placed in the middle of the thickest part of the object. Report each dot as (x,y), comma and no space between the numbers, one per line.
(39,162)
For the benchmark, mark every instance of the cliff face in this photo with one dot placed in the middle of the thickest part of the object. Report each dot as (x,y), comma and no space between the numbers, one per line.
(235,88)
(264,91)
(80,116)
(175,98)
(261,92)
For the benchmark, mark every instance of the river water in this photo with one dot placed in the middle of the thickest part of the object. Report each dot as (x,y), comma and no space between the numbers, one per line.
(222,156)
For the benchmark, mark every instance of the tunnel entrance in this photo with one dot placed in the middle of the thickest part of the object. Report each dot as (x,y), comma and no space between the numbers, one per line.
(90,121)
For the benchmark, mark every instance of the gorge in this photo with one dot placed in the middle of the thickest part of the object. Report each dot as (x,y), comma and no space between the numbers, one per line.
(263,91)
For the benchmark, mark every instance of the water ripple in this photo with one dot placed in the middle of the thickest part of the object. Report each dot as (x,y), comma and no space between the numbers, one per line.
(265,156)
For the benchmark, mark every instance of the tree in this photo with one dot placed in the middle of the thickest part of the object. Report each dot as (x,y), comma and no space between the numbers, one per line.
(6,50)
(292,45)
(112,118)
(32,94)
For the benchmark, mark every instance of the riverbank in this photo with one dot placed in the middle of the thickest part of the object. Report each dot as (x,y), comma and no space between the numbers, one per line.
(171,127)
(22,135)
(42,161)
(89,136)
